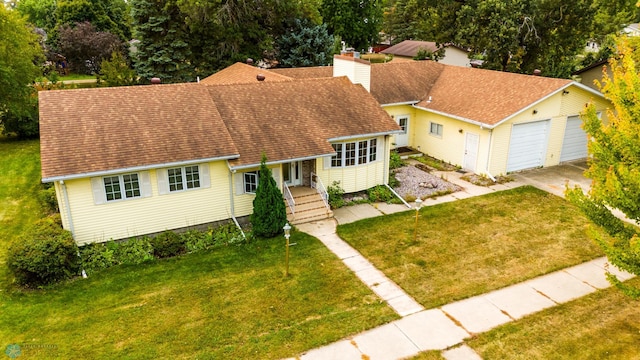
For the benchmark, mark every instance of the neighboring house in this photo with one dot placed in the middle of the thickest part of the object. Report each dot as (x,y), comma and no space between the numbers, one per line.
(488,122)
(592,75)
(129,161)
(632,29)
(408,50)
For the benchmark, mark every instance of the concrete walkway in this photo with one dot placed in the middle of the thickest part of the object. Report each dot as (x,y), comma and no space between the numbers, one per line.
(446,327)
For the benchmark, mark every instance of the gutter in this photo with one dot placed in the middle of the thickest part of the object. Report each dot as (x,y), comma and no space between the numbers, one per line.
(247,166)
(413,102)
(137,168)
(360,136)
(474,122)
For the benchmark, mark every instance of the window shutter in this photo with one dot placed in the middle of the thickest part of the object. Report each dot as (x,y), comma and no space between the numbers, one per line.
(327,162)
(239,180)
(98,191)
(163,187)
(205,179)
(145,184)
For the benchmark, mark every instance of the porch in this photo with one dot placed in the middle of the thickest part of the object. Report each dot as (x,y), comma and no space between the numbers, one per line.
(308,205)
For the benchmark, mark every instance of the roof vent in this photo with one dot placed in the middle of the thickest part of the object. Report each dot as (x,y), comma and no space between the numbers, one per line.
(156,80)
(537,72)
(249,61)
(260,77)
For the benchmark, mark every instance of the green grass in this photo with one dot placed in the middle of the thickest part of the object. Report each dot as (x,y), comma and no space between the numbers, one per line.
(436,163)
(602,325)
(76,77)
(232,303)
(376,58)
(469,247)
(19,185)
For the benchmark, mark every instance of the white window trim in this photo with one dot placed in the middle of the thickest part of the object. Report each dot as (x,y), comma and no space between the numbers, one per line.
(100,192)
(367,156)
(439,129)
(163,179)
(256,173)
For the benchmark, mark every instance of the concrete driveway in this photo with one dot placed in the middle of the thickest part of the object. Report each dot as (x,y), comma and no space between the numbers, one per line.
(555,178)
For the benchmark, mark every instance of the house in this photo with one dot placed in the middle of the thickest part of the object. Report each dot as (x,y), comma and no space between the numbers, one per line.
(592,75)
(486,121)
(137,160)
(407,50)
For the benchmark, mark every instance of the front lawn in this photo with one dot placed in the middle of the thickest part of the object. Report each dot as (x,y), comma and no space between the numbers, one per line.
(231,303)
(469,247)
(602,325)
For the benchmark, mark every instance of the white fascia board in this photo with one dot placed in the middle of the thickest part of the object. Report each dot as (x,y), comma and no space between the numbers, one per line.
(474,122)
(360,136)
(247,166)
(137,168)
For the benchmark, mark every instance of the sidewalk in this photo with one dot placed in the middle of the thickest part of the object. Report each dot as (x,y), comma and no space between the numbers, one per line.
(445,327)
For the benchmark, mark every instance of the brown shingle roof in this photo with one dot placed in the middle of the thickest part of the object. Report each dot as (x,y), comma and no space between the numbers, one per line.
(399,82)
(240,73)
(104,129)
(296,119)
(487,96)
(410,48)
(312,72)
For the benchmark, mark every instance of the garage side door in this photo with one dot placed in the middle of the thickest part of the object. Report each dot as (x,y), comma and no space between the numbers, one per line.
(574,144)
(528,145)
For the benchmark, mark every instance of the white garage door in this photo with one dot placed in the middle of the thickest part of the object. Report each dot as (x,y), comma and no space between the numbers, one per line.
(574,145)
(528,145)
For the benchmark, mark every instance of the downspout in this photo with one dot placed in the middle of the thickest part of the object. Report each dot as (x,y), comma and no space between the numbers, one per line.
(387,153)
(65,197)
(489,156)
(231,202)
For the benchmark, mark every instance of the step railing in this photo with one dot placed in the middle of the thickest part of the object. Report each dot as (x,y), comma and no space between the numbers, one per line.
(289,198)
(317,184)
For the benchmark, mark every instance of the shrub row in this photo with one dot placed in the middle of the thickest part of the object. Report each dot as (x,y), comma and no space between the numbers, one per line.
(46,253)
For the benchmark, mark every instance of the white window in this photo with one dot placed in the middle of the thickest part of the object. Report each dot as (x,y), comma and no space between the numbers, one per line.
(251,181)
(436,129)
(402,122)
(113,188)
(120,187)
(336,160)
(182,178)
(355,153)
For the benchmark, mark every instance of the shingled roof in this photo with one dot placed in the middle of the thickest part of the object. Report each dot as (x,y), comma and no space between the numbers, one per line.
(240,73)
(404,82)
(88,131)
(410,48)
(487,96)
(312,72)
(296,120)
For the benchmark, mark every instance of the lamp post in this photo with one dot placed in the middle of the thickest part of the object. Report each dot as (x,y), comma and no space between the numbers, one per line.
(415,231)
(287,235)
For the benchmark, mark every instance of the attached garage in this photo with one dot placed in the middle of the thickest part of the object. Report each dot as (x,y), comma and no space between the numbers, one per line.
(528,145)
(574,144)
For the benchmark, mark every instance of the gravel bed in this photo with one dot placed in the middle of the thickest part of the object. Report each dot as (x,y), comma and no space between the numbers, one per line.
(419,183)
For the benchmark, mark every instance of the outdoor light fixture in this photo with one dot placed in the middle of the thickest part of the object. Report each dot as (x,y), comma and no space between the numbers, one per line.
(287,235)
(415,231)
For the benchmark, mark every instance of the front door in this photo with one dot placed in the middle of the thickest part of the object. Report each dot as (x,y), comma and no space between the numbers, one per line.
(471,151)
(292,173)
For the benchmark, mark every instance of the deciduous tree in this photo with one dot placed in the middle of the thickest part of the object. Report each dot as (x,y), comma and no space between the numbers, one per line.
(85,48)
(357,22)
(614,163)
(19,52)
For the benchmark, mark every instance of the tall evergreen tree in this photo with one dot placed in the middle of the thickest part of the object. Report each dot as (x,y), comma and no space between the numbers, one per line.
(305,44)
(163,50)
(269,212)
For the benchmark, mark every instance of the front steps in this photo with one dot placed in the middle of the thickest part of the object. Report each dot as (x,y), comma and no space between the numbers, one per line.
(309,206)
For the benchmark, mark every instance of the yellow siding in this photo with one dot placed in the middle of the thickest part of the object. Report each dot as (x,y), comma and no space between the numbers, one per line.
(242,202)
(126,218)
(402,110)
(556,108)
(361,177)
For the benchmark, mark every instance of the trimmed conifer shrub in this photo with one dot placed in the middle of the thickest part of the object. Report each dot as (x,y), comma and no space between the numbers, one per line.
(269,212)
